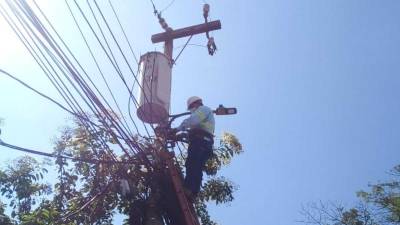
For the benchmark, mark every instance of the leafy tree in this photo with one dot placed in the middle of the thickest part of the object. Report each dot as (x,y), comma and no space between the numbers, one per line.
(20,182)
(4,219)
(379,206)
(91,193)
(385,197)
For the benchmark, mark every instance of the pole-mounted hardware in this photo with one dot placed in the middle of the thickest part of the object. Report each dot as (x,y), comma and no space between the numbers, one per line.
(170,34)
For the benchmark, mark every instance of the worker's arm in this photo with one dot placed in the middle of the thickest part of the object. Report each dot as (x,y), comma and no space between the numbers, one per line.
(190,122)
(195,118)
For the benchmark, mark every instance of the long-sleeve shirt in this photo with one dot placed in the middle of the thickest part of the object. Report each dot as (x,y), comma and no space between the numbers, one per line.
(202,118)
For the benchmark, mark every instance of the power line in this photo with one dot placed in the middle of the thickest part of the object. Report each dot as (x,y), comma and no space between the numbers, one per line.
(39,93)
(122,53)
(123,31)
(80,115)
(116,67)
(54,155)
(62,67)
(98,105)
(55,56)
(167,7)
(58,64)
(100,71)
(187,42)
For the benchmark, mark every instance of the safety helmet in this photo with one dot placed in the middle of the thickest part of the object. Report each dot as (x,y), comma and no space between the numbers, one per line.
(192,99)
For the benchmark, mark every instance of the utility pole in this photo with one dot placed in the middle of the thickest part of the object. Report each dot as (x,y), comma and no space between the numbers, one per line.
(157,76)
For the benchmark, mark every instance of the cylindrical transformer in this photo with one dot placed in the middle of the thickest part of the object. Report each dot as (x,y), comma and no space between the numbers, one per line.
(155,87)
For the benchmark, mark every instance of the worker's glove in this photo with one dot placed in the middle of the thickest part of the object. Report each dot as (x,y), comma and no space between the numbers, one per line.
(171,133)
(182,136)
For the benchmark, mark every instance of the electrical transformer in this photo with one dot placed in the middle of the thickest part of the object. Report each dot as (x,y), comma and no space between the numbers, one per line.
(155,87)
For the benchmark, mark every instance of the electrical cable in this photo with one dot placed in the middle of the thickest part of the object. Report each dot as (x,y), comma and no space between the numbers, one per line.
(92,97)
(53,57)
(169,5)
(123,31)
(101,72)
(53,155)
(122,53)
(84,119)
(187,42)
(77,78)
(66,66)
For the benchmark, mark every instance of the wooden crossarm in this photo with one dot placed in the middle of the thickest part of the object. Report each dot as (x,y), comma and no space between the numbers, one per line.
(187,31)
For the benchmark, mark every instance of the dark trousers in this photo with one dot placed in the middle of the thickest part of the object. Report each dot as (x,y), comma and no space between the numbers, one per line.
(199,151)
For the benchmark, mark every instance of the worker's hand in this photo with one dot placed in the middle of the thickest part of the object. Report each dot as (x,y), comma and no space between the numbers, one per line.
(171,134)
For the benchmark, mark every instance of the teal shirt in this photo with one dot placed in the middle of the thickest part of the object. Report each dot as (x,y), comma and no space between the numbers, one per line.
(202,118)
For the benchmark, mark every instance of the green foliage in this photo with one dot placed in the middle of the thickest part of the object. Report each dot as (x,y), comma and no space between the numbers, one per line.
(229,146)
(379,206)
(87,193)
(4,219)
(218,189)
(386,197)
(201,209)
(21,183)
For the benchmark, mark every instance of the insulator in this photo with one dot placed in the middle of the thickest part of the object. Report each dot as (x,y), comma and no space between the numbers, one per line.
(206,9)
(164,26)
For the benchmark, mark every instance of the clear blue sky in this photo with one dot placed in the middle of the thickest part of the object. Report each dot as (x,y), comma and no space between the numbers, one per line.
(316,84)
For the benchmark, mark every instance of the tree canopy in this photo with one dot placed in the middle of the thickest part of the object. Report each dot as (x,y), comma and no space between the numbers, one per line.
(92,192)
(378,206)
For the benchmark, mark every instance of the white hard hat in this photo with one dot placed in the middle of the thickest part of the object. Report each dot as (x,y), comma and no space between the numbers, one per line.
(192,100)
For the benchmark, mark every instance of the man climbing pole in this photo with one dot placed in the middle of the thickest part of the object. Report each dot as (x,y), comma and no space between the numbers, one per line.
(200,126)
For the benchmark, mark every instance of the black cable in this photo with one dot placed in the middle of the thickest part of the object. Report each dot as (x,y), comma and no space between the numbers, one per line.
(155,11)
(65,62)
(126,126)
(36,56)
(122,53)
(104,38)
(197,45)
(102,46)
(84,118)
(187,42)
(39,93)
(100,71)
(123,31)
(17,14)
(169,5)
(97,105)
(53,155)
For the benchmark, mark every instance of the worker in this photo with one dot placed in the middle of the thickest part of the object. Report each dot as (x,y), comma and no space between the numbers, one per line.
(200,126)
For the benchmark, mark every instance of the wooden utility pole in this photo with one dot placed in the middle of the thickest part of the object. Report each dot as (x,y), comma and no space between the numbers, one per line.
(186,212)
